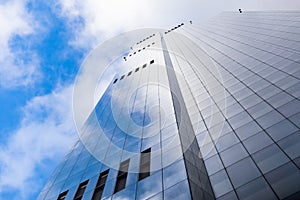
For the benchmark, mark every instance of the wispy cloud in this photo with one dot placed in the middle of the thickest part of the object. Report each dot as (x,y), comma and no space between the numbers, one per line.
(46,132)
(16,67)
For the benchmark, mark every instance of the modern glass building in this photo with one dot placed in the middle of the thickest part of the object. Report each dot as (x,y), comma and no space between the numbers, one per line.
(205,111)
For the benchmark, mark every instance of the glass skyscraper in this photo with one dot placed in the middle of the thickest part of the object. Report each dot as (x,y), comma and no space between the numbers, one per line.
(205,111)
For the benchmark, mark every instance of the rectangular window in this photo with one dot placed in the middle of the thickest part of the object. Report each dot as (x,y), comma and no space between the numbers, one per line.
(80,190)
(100,185)
(63,195)
(145,164)
(115,81)
(137,69)
(129,73)
(122,77)
(151,62)
(122,176)
(145,65)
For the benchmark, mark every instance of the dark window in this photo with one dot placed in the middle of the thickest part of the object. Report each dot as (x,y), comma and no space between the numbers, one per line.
(151,62)
(63,195)
(145,164)
(80,190)
(129,73)
(153,43)
(148,45)
(115,80)
(137,69)
(122,77)
(122,176)
(144,66)
(139,50)
(100,185)
(144,48)
(130,55)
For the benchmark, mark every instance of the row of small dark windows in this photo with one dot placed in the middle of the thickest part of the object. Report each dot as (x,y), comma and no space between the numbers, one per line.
(144,172)
(136,70)
(172,29)
(146,38)
(138,51)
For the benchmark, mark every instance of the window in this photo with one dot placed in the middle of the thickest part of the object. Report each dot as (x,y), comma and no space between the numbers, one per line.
(122,77)
(134,52)
(100,185)
(115,81)
(137,69)
(122,176)
(63,195)
(129,73)
(80,190)
(151,62)
(145,164)
(144,66)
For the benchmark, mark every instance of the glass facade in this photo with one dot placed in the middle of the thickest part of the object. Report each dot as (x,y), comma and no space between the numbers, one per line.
(215,114)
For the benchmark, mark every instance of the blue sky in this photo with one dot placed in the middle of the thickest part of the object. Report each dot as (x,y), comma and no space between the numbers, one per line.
(42,46)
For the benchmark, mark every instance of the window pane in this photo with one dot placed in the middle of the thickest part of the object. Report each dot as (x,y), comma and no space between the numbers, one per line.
(285,180)
(243,172)
(257,189)
(220,183)
(269,158)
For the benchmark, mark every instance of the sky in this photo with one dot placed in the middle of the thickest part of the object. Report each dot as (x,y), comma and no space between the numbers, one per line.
(42,45)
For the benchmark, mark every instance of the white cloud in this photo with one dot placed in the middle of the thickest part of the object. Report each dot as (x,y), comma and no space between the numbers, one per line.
(45,134)
(15,70)
(106,18)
